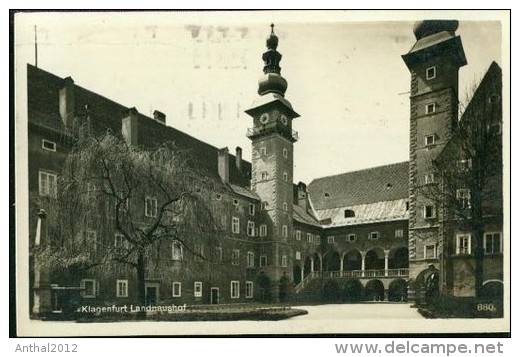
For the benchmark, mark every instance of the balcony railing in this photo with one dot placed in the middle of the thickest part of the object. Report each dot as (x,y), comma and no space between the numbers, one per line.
(272,128)
(371,273)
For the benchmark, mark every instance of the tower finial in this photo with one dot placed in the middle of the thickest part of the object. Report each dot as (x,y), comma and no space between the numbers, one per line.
(272,29)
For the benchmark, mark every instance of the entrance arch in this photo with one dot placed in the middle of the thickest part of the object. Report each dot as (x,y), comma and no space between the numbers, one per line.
(398,290)
(264,287)
(375,290)
(331,290)
(352,290)
(331,261)
(375,259)
(493,289)
(398,258)
(352,260)
(297,274)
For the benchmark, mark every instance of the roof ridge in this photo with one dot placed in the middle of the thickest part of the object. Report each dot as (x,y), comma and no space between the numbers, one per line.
(360,170)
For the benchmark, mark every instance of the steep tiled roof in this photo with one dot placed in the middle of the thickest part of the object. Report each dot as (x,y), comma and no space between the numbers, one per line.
(378,184)
(43,110)
(364,213)
(301,216)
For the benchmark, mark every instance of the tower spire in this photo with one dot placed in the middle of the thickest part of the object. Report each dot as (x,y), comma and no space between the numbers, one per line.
(272,57)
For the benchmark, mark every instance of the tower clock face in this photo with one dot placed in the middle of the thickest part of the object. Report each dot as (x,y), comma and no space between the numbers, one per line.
(283,119)
(264,118)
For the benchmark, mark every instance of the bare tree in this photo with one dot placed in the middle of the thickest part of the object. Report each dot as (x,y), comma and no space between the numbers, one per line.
(467,181)
(143,198)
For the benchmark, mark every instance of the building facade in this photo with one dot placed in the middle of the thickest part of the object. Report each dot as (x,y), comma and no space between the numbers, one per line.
(372,234)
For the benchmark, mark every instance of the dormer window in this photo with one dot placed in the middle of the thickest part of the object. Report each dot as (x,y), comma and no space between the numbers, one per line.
(431,72)
(349,213)
(430,108)
(429,140)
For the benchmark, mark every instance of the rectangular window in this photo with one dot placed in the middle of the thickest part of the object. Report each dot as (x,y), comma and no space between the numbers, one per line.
(263,206)
(176,251)
(119,241)
(263,175)
(351,237)
(198,250)
(249,289)
(464,165)
(309,238)
(122,288)
(429,211)
(48,145)
(285,153)
(252,209)
(407,204)
(298,235)
(263,151)
(236,204)
(250,259)
(251,228)
(373,235)
(431,72)
(176,289)
(464,198)
(263,230)
(197,288)
(89,288)
(150,207)
(218,254)
(47,184)
(263,260)
(284,206)
(399,233)
(235,289)
(284,261)
(285,177)
(235,225)
(330,239)
(430,251)
(493,243)
(430,108)
(90,241)
(298,255)
(235,257)
(284,231)
(429,140)
(317,239)
(463,244)
(429,179)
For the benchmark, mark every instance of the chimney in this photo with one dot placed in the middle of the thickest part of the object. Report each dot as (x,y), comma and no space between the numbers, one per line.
(302,196)
(238,158)
(129,126)
(223,164)
(159,116)
(66,101)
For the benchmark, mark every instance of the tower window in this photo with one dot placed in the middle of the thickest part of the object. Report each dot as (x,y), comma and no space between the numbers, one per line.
(285,177)
(349,213)
(285,153)
(431,72)
(264,175)
(429,179)
(284,206)
(429,140)
(284,231)
(263,206)
(430,108)
(463,244)
(429,211)
(263,151)
(263,230)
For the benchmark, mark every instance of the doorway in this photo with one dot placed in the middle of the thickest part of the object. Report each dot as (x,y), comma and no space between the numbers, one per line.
(151,293)
(214,296)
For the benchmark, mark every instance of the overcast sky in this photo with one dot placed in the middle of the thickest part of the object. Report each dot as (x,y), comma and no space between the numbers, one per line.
(345,73)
